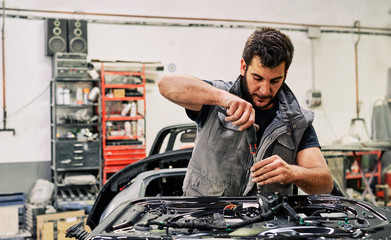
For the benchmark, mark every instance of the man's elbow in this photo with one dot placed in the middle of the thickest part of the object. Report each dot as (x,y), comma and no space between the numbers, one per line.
(162,84)
(167,87)
(329,184)
(330,187)
(325,184)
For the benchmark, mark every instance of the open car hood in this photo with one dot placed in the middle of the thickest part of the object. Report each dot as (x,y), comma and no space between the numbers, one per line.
(280,217)
(169,157)
(117,182)
(171,149)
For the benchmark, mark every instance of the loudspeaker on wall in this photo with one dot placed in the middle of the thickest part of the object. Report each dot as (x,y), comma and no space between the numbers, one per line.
(77,36)
(56,36)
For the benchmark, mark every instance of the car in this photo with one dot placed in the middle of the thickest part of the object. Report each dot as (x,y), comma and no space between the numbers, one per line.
(159,182)
(280,217)
(144,201)
(171,150)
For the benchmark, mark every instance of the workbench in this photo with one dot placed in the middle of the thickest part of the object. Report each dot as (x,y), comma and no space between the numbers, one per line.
(357,150)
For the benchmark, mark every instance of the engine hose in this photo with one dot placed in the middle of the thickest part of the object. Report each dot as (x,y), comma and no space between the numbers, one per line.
(288,209)
(77,231)
(207,226)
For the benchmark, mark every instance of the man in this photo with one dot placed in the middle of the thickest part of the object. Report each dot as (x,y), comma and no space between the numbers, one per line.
(289,151)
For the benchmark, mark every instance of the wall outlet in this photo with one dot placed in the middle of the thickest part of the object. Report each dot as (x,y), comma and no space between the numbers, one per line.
(314,98)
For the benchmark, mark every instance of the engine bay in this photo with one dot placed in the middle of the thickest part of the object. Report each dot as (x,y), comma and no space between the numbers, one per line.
(263,217)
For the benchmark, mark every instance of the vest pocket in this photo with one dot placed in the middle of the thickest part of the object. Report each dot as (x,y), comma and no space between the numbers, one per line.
(286,141)
(200,186)
(285,148)
(224,137)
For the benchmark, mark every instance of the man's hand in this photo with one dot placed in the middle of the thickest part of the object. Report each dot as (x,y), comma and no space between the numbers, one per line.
(240,112)
(311,174)
(272,170)
(192,93)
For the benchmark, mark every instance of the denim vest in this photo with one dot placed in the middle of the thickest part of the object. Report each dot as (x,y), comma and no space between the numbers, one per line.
(221,160)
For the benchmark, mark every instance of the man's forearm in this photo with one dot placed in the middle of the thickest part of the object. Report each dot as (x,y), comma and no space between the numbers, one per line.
(189,92)
(192,93)
(314,180)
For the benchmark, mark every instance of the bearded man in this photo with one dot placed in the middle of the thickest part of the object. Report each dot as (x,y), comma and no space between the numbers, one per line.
(289,151)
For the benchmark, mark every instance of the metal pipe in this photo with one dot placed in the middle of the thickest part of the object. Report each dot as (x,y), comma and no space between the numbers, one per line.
(191,19)
(373,31)
(4,129)
(3,66)
(357,24)
(203,25)
(313,61)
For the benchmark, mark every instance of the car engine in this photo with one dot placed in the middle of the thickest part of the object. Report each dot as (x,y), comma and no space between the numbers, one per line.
(268,216)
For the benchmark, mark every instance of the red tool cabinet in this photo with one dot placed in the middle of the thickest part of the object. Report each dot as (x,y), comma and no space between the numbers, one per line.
(123,115)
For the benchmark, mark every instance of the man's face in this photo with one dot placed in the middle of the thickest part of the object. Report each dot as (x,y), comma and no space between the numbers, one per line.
(262,83)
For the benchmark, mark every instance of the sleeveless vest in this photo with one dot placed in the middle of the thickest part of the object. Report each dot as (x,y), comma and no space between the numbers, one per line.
(221,160)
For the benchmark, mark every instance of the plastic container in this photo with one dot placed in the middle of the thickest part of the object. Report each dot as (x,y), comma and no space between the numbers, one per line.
(134,128)
(67,96)
(133,111)
(128,128)
(126,109)
(140,128)
(94,93)
(60,95)
(79,96)
(86,91)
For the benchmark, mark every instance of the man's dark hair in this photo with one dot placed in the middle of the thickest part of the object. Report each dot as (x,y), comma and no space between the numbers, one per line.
(272,46)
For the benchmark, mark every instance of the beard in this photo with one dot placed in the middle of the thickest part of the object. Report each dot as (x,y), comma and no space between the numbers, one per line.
(248,97)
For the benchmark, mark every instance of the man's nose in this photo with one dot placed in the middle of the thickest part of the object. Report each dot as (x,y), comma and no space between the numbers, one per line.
(264,88)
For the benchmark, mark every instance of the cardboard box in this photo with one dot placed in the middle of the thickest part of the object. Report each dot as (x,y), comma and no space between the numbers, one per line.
(54,226)
(9,220)
(11,213)
(119,93)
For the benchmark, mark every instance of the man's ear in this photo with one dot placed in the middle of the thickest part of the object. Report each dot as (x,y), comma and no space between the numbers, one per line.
(243,67)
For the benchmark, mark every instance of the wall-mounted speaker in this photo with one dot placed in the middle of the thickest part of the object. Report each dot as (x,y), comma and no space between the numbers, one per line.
(77,36)
(56,36)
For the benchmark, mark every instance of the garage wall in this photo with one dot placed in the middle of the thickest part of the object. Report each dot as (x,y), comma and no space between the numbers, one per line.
(208,53)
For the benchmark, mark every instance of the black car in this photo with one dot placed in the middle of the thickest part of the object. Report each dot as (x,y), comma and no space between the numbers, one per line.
(144,201)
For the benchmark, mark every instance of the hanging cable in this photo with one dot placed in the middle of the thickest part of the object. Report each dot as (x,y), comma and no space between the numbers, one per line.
(30,102)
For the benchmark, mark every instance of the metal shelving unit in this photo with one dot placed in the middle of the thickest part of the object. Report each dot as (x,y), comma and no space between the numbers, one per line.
(75,142)
(123,132)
